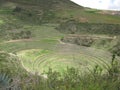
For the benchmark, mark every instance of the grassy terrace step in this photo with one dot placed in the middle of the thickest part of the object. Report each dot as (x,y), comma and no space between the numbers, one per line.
(23,45)
(59,61)
(44,49)
(44,52)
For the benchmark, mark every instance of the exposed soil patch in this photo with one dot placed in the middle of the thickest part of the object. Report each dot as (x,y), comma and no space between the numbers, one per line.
(18,40)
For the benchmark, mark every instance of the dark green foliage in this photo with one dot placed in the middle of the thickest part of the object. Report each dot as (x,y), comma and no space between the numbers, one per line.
(89,28)
(17,9)
(69,26)
(84,42)
(47,16)
(9,63)
(94,28)
(20,35)
(114,69)
(116,47)
(53,80)
(79,40)
(11,71)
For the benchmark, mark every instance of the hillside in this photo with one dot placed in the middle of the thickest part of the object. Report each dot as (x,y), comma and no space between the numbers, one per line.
(42,24)
(58,45)
(54,11)
(38,24)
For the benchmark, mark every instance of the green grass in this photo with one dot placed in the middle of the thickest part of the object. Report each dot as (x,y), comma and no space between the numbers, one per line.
(72,78)
(66,11)
(85,16)
(1,22)
(45,50)
(2,11)
(42,60)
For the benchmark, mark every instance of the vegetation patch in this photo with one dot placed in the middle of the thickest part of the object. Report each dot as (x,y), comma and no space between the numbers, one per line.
(71,79)
(40,60)
(74,27)
(87,40)
(1,22)
(79,40)
(9,63)
(20,35)
(32,57)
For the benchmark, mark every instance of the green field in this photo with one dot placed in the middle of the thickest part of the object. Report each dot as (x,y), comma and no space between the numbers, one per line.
(39,39)
(45,50)
(45,39)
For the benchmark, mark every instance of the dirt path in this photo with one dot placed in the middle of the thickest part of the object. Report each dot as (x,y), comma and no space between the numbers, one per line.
(19,40)
(93,36)
(61,42)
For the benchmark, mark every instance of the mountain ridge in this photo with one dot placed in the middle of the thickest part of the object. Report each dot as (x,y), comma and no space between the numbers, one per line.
(60,11)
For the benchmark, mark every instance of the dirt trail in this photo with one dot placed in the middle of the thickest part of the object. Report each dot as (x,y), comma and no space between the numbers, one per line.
(19,40)
(61,42)
(93,36)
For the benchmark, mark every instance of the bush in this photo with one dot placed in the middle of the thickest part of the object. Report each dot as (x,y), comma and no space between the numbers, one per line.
(79,40)
(71,26)
(17,9)
(116,48)
(20,35)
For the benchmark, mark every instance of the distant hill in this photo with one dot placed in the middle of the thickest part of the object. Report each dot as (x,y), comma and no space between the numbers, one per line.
(57,11)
